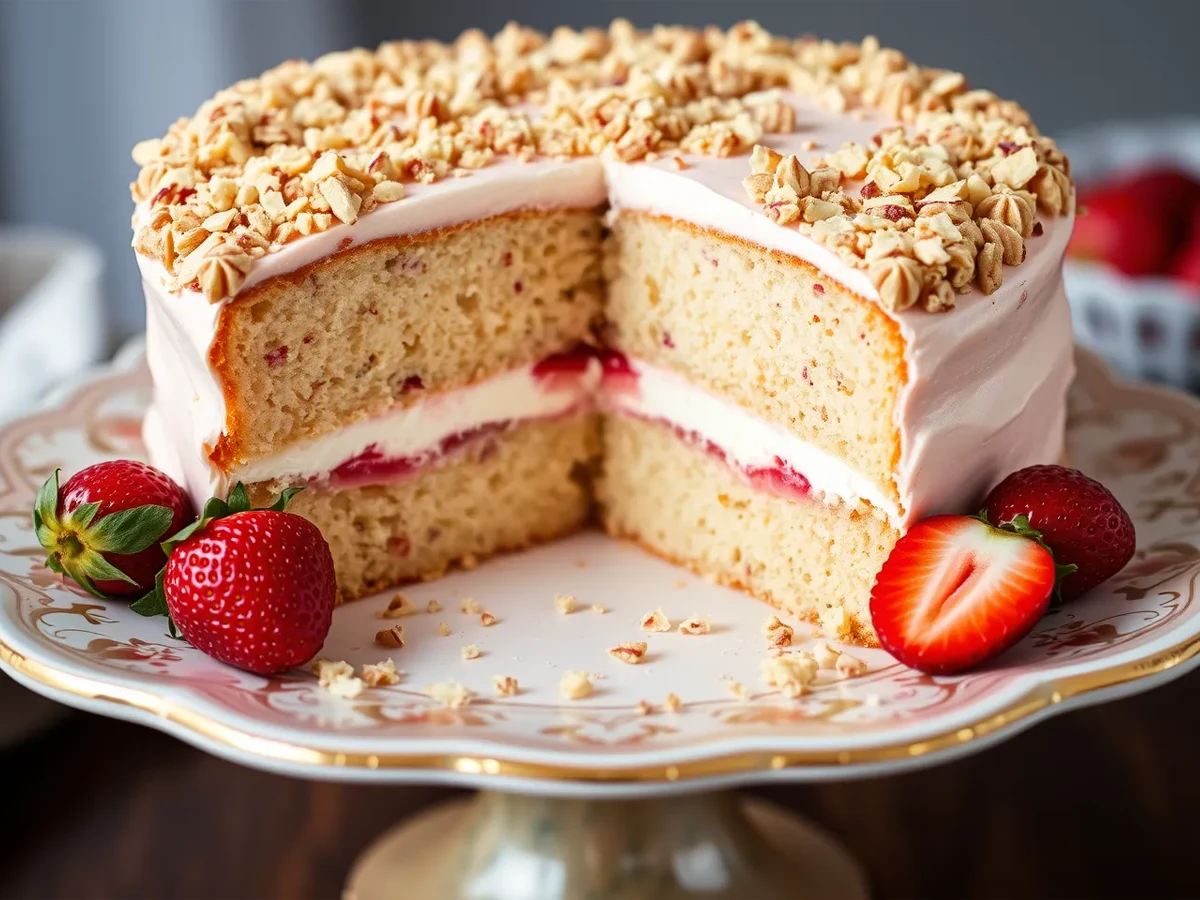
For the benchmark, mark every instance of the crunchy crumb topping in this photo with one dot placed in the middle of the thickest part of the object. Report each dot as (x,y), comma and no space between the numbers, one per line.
(575,685)
(471,651)
(381,674)
(504,685)
(397,607)
(390,637)
(695,625)
(790,673)
(672,703)
(307,146)
(450,694)
(778,634)
(564,604)
(470,605)
(338,678)
(486,619)
(656,621)
(632,652)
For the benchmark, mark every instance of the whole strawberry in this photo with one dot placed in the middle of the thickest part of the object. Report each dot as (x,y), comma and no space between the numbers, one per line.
(103,527)
(1076,517)
(253,588)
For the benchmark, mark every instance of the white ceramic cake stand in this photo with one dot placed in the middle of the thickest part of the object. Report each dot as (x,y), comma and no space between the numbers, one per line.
(589,798)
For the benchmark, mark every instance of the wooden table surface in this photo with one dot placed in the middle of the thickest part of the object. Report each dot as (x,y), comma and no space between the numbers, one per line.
(1102,802)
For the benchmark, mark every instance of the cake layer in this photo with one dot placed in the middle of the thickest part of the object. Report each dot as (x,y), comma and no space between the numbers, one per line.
(814,561)
(504,492)
(382,324)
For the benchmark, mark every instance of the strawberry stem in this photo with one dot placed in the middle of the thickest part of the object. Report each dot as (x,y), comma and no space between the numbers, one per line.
(1019,525)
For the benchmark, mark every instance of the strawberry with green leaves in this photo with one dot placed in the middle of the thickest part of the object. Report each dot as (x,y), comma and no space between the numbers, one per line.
(253,588)
(103,528)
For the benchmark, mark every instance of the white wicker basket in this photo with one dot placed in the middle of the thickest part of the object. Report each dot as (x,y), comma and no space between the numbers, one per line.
(1145,327)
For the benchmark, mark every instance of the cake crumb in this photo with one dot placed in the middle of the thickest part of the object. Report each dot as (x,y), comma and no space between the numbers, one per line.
(504,685)
(736,689)
(338,678)
(564,603)
(825,656)
(779,634)
(469,562)
(381,674)
(632,652)
(656,621)
(575,685)
(438,573)
(443,629)
(644,708)
(433,607)
(599,608)
(471,651)
(790,673)
(390,637)
(672,703)
(469,605)
(848,666)
(450,694)
(680,163)
(695,625)
(397,607)
(486,619)
(808,144)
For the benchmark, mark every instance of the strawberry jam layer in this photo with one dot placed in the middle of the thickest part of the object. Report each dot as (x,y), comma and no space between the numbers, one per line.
(580,380)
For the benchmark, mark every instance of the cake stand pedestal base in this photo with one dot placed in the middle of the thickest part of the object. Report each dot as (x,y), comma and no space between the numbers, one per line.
(499,846)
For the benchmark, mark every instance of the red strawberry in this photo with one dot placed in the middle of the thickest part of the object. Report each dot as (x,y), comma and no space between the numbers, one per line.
(1124,230)
(1171,192)
(955,592)
(253,588)
(1075,516)
(104,527)
(1185,267)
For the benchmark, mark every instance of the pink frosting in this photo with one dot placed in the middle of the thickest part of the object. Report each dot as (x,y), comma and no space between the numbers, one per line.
(986,383)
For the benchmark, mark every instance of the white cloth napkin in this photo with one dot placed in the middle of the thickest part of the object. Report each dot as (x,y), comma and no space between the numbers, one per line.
(52,317)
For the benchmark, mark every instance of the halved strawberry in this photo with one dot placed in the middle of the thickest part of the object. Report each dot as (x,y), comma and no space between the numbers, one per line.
(956,592)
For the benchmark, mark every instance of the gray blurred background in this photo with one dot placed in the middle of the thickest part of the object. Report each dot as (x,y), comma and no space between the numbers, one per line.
(82,80)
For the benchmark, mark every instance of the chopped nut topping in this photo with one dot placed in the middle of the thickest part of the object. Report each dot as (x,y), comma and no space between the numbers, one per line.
(695,625)
(825,656)
(779,634)
(443,629)
(486,619)
(390,637)
(564,604)
(644,708)
(632,652)
(397,607)
(470,652)
(790,673)
(381,674)
(849,667)
(450,694)
(672,703)
(309,145)
(433,607)
(656,621)
(575,685)
(504,685)
(470,605)
(338,678)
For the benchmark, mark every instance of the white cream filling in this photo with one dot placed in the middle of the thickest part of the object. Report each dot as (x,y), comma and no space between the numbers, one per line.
(748,441)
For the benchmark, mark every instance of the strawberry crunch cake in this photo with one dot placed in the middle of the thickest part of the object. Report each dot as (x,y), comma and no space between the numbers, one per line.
(756,303)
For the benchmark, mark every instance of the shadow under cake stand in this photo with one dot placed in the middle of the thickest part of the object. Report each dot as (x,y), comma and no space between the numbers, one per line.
(589,798)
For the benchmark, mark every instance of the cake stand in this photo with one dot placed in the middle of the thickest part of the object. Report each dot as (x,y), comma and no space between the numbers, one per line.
(589,798)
